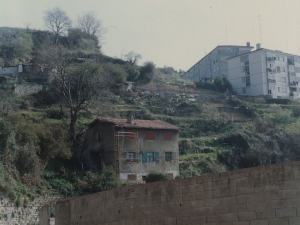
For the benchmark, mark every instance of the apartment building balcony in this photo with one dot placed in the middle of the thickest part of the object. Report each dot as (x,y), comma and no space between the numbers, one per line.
(290,61)
(293,84)
(272,81)
(271,70)
(291,73)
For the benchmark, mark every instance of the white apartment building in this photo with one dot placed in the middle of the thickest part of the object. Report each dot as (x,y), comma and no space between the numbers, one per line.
(215,63)
(265,72)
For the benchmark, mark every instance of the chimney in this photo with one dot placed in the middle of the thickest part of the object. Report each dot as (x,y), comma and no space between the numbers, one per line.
(248,44)
(130,119)
(258,46)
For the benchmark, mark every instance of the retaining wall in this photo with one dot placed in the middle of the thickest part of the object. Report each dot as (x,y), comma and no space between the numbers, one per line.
(265,195)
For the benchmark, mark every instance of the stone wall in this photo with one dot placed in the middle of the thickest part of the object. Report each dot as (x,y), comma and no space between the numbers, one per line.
(265,195)
(26,89)
(10,214)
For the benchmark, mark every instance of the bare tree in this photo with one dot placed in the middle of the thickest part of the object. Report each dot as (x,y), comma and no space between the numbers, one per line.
(57,21)
(78,84)
(89,23)
(132,57)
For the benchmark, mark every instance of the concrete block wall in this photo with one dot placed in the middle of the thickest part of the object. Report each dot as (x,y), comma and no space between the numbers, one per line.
(265,195)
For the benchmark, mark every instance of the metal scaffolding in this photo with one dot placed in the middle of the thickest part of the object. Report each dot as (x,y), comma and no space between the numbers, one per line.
(126,144)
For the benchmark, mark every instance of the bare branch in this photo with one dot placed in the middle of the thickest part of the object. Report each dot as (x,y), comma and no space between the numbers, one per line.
(132,57)
(57,22)
(89,23)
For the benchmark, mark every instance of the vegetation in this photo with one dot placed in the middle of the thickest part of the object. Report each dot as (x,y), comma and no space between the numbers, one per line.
(41,134)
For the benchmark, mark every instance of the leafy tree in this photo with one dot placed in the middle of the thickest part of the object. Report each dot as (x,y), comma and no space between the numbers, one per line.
(132,71)
(116,72)
(57,21)
(52,143)
(78,39)
(222,84)
(132,57)
(147,72)
(20,46)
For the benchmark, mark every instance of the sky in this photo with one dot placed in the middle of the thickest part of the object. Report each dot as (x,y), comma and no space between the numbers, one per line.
(175,33)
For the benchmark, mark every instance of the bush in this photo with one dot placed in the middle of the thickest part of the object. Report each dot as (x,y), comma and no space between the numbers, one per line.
(147,72)
(109,179)
(55,114)
(155,176)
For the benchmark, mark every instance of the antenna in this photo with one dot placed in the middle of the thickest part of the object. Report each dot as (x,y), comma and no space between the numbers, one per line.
(260,29)
(226,33)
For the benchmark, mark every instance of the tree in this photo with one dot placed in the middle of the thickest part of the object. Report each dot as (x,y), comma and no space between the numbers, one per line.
(57,22)
(90,24)
(147,72)
(132,57)
(20,46)
(78,86)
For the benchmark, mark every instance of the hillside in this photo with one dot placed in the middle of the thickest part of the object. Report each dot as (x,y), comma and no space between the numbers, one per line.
(41,133)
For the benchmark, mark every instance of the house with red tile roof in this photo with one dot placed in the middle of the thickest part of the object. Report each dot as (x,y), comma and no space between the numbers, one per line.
(133,147)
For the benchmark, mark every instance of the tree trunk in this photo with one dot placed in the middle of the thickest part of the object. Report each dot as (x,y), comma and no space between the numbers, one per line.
(73,121)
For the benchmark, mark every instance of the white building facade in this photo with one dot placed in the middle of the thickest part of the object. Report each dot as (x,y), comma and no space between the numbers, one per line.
(215,63)
(265,72)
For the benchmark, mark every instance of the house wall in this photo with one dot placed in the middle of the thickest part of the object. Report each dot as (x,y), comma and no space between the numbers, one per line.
(9,70)
(106,143)
(138,168)
(159,146)
(265,195)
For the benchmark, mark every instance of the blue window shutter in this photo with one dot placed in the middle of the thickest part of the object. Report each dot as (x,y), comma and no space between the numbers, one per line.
(144,157)
(157,157)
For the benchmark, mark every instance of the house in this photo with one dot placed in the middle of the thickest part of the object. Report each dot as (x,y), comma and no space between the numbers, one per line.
(133,147)
(11,70)
(215,63)
(265,72)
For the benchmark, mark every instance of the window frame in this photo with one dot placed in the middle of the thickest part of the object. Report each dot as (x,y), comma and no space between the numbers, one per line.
(99,137)
(168,156)
(150,135)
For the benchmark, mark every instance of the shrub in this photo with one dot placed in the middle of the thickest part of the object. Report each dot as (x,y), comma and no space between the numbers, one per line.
(156,176)
(109,179)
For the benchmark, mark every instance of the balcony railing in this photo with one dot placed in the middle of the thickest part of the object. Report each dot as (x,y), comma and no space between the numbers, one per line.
(291,73)
(271,70)
(272,81)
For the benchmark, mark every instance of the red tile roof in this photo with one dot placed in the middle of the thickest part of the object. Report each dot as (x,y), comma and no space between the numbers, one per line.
(150,124)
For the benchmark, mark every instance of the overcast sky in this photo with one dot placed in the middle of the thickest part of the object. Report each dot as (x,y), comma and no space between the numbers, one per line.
(174,33)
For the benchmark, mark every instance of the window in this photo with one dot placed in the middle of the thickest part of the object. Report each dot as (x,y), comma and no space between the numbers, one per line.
(278,69)
(282,90)
(281,79)
(243,90)
(150,135)
(282,68)
(168,156)
(243,80)
(150,157)
(270,57)
(248,81)
(130,156)
(98,137)
(168,135)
